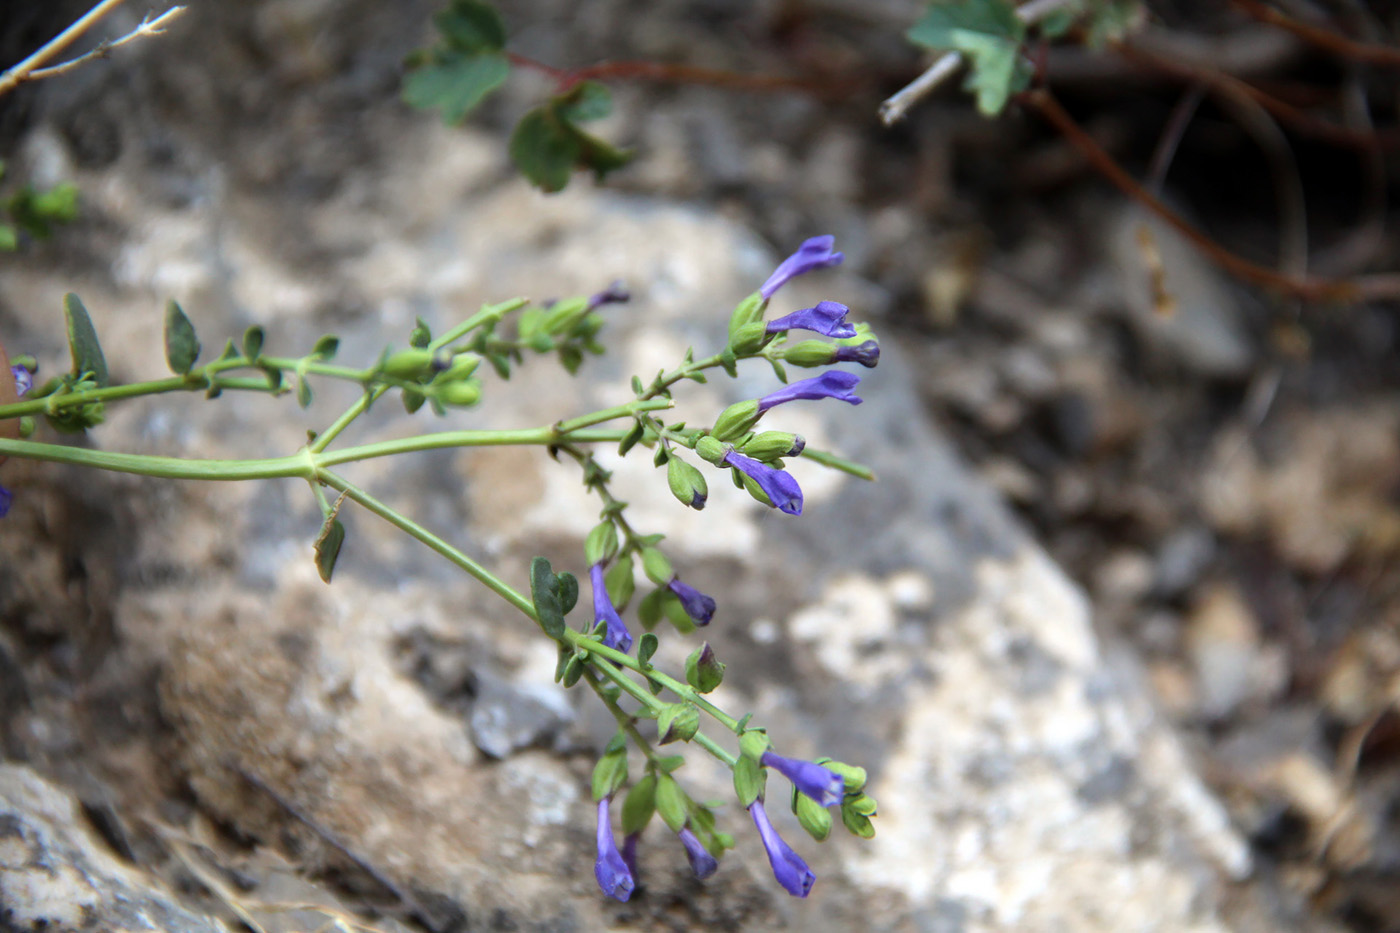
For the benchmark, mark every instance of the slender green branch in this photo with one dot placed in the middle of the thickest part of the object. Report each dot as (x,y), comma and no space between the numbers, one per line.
(858,470)
(360,406)
(644,696)
(163,467)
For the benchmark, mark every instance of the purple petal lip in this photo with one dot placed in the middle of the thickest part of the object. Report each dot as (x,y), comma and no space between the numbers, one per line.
(792,873)
(816,253)
(823,785)
(616,636)
(702,863)
(697,605)
(613,875)
(834,383)
(782,490)
(828,318)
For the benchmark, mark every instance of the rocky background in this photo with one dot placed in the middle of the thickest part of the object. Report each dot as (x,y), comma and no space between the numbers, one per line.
(1114,633)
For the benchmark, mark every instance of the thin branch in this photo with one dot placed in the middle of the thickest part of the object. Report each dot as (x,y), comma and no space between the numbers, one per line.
(30,69)
(893,109)
(1385,55)
(663,73)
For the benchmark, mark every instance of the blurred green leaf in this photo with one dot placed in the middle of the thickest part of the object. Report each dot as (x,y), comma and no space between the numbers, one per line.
(471,26)
(327,548)
(82,341)
(454,83)
(989,34)
(181,342)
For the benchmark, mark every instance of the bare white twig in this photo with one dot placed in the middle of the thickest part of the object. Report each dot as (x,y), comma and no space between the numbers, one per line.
(893,109)
(30,69)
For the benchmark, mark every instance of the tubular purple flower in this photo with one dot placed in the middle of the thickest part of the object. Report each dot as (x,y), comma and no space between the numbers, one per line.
(24,379)
(792,873)
(823,785)
(782,490)
(828,318)
(617,635)
(697,605)
(866,354)
(6,497)
(702,863)
(616,293)
(836,384)
(815,253)
(613,875)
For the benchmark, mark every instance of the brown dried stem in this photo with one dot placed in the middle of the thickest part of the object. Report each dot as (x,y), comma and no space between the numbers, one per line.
(1372,54)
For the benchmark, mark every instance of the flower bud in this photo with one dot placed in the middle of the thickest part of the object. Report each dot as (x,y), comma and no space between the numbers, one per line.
(461,394)
(687,483)
(712,450)
(564,315)
(749,311)
(736,420)
(814,817)
(657,567)
(459,368)
(810,353)
(677,721)
(408,364)
(703,670)
(771,445)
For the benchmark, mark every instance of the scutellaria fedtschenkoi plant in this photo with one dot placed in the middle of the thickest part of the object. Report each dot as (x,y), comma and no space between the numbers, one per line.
(444,372)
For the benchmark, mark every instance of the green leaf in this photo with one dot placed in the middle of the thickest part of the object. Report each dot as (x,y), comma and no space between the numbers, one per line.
(455,83)
(9,238)
(670,763)
(609,774)
(181,342)
(325,347)
(253,343)
(585,101)
(568,591)
(621,582)
(420,336)
(36,212)
(672,803)
(544,590)
(82,341)
(749,779)
(1111,20)
(327,547)
(753,743)
(857,822)
(471,26)
(989,34)
(639,805)
(543,150)
(646,647)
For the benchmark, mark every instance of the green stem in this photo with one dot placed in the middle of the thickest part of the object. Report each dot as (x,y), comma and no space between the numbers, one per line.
(625,721)
(642,695)
(490,313)
(163,467)
(361,406)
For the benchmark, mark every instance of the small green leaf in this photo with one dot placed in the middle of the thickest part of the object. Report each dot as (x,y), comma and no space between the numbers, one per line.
(568,592)
(672,803)
(649,610)
(472,26)
(749,780)
(82,341)
(646,647)
(609,774)
(670,763)
(327,547)
(573,670)
(325,347)
(454,83)
(420,336)
(543,150)
(303,391)
(989,34)
(544,590)
(181,342)
(585,101)
(253,343)
(621,582)
(639,805)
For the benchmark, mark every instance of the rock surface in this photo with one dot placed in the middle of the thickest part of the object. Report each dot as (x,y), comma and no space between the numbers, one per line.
(910,625)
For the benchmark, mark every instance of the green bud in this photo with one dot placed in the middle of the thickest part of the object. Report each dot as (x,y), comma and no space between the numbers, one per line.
(677,721)
(814,817)
(865,805)
(753,743)
(687,483)
(810,353)
(408,364)
(770,445)
(703,670)
(854,776)
(749,338)
(459,394)
(462,366)
(26,426)
(710,449)
(736,420)
(601,545)
(672,803)
(857,823)
(657,567)
(749,311)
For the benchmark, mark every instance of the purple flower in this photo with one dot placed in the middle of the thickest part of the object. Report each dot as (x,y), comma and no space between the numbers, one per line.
(866,354)
(836,384)
(792,873)
(782,490)
(24,379)
(697,605)
(815,253)
(828,318)
(613,875)
(702,863)
(617,635)
(823,785)
(616,293)
(6,497)
(629,852)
